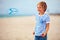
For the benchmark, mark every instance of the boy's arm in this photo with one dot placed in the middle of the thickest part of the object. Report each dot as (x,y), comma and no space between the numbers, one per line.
(47,24)
(47,28)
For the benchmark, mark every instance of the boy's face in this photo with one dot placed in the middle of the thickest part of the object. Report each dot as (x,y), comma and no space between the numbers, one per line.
(40,9)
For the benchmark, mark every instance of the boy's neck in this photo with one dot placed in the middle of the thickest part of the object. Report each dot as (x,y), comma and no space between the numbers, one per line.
(41,14)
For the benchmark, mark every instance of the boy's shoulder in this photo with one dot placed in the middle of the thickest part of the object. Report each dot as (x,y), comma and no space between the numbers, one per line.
(46,14)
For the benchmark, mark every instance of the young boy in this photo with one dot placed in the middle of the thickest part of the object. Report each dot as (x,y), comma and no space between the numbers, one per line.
(42,22)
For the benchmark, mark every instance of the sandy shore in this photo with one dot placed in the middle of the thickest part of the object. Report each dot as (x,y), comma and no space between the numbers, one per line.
(21,28)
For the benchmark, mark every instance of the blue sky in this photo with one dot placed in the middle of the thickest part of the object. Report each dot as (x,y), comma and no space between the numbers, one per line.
(26,7)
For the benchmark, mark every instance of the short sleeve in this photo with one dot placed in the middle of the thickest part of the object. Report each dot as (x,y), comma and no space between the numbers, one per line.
(47,19)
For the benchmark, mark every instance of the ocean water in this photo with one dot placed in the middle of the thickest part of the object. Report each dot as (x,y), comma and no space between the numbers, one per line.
(5,16)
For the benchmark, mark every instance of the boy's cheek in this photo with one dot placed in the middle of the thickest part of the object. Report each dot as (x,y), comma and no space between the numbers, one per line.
(38,9)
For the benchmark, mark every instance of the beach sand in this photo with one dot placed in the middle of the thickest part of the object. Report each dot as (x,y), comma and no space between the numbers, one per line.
(21,28)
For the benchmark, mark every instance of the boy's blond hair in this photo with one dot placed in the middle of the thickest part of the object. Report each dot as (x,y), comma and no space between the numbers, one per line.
(43,4)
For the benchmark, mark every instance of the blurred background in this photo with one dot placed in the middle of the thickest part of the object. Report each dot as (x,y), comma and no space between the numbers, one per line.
(17,19)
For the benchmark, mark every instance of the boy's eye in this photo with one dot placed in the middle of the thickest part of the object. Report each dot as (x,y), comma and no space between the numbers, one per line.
(39,7)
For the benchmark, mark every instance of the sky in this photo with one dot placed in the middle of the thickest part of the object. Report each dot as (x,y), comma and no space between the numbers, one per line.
(27,7)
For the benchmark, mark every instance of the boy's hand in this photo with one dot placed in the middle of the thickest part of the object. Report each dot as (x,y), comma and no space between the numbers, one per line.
(44,34)
(33,33)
